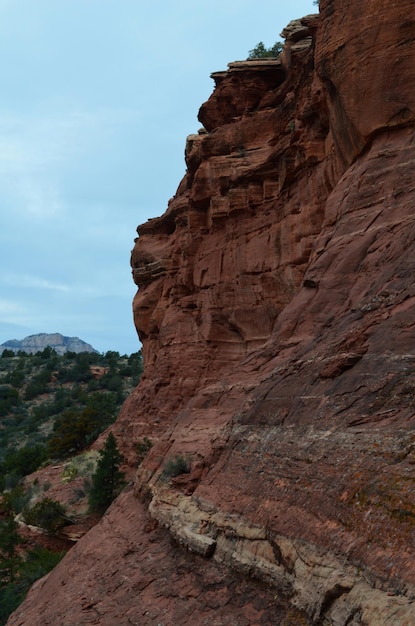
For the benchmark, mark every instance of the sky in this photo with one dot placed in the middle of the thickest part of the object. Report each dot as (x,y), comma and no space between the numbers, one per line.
(97,99)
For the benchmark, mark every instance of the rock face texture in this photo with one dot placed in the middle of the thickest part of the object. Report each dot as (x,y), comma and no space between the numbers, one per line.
(276,308)
(36,343)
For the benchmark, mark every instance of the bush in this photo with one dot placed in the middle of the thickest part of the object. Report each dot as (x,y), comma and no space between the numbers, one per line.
(47,514)
(9,540)
(24,460)
(73,430)
(80,371)
(9,481)
(9,397)
(39,562)
(176,466)
(11,596)
(6,354)
(69,435)
(15,378)
(38,385)
(15,500)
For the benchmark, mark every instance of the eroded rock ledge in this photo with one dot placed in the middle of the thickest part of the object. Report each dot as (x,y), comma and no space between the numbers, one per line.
(321,583)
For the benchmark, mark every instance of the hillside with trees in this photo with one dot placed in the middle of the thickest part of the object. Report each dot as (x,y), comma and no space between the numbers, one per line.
(52,409)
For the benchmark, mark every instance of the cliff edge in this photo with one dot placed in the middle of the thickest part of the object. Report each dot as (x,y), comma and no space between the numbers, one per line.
(276,309)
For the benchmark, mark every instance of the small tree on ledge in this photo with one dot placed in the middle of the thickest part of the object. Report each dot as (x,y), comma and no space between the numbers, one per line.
(261,52)
(108,480)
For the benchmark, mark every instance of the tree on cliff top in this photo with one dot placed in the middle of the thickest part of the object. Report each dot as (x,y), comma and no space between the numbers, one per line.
(108,480)
(261,52)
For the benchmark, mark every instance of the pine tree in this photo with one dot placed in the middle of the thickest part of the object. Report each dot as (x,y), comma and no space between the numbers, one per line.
(108,479)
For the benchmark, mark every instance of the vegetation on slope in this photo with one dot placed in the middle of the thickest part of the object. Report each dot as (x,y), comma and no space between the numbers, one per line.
(19,567)
(51,409)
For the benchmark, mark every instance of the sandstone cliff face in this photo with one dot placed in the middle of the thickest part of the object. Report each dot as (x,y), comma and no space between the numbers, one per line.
(276,309)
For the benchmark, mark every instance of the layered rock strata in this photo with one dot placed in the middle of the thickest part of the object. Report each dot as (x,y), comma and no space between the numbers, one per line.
(276,309)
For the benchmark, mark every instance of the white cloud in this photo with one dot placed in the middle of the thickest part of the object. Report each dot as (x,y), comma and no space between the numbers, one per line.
(27,281)
(8,307)
(43,283)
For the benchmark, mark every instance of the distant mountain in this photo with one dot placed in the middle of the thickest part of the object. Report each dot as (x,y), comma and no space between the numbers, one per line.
(37,343)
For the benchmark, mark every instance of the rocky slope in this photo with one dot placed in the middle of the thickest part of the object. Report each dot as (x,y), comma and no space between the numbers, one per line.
(276,311)
(37,343)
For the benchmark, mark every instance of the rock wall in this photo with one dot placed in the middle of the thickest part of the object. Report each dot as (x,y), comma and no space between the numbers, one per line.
(276,310)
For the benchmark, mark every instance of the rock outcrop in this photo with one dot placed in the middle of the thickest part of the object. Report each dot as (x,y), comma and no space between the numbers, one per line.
(37,343)
(276,310)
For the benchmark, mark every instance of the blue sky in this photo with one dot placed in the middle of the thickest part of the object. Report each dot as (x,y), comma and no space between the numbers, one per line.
(97,98)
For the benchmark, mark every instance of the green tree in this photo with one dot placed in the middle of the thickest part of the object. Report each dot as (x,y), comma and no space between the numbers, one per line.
(15,378)
(112,357)
(38,385)
(9,397)
(69,435)
(14,500)
(7,354)
(261,52)
(9,540)
(74,430)
(24,460)
(134,366)
(47,353)
(113,382)
(37,563)
(108,480)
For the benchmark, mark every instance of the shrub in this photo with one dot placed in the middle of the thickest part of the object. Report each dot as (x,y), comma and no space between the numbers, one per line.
(176,466)
(6,354)
(38,562)
(15,499)
(38,385)
(68,435)
(47,514)
(9,540)
(9,481)
(24,460)
(9,397)
(11,596)
(15,378)
(69,473)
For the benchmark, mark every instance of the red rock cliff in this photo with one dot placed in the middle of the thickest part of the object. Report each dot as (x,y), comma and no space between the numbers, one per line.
(276,309)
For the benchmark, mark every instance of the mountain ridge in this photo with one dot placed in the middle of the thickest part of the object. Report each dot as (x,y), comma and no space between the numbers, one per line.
(38,342)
